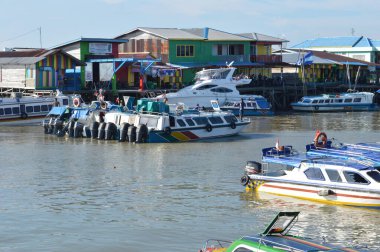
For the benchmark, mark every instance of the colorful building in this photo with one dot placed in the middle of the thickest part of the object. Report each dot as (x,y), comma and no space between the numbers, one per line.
(38,69)
(184,51)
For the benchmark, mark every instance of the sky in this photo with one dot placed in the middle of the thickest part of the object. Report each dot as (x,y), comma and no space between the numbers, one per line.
(294,20)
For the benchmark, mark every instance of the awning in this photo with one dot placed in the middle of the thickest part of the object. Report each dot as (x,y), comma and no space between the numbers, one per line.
(184,65)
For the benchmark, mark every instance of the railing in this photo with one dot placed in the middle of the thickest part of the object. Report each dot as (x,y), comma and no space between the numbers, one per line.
(266,58)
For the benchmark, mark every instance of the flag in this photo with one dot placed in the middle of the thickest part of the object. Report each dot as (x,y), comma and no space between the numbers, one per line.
(306,59)
(277,144)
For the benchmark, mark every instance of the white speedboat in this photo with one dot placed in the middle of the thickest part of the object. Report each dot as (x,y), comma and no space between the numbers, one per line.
(350,101)
(211,84)
(153,123)
(20,108)
(255,105)
(325,179)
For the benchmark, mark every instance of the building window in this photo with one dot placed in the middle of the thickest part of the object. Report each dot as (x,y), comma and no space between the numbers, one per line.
(185,51)
(225,49)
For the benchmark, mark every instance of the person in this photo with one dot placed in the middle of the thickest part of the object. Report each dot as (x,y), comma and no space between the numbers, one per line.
(197,107)
(56,103)
(241,109)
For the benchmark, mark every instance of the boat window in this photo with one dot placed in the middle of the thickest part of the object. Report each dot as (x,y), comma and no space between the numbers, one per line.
(333,175)
(230,119)
(181,123)
(8,111)
(357,99)
(29,109)
(221,90)
(16,110)
(206,87)
(190,122)
(1,111)
(237,105)
(314,174)
(44,108)
(200,120)
(65,102)
(315,101)
(348,100)
(37,108)
(338,100)
(215,120)
(321,101)
(327,101)
(375,175)
(243,249)
(306,101)
(354,177)
(50,107)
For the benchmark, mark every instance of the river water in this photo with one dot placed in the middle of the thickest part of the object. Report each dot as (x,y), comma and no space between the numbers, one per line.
(60,194)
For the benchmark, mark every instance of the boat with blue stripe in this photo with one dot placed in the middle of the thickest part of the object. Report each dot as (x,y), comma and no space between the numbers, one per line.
(255,105)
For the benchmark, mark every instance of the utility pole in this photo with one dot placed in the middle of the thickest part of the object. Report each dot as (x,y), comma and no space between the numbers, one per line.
(40,37)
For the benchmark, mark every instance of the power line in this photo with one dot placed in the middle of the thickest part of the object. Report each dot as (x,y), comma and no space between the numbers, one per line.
(22,35)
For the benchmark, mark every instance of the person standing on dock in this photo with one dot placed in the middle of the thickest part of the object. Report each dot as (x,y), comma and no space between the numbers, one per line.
(241,109)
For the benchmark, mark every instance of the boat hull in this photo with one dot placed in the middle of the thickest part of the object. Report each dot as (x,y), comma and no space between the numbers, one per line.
(194,134)
(335,108)
(250,112)
(328,195)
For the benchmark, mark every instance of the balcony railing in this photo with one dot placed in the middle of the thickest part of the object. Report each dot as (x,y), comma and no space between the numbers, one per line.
(266,58)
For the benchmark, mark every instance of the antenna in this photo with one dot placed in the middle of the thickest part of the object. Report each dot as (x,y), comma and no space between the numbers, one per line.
(352,32)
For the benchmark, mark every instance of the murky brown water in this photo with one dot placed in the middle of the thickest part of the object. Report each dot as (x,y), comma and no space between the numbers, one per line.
(60,194)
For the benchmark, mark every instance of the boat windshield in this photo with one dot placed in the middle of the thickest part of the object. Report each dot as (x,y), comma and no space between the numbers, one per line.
(212,74)
(375,175)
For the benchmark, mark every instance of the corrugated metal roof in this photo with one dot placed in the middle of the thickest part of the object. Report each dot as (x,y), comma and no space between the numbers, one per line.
(170,33)
(351,41)
(94,40)
(213,34)
(262,37)
(19,60)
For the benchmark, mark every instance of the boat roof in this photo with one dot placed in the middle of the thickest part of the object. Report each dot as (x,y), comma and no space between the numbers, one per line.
(292,158)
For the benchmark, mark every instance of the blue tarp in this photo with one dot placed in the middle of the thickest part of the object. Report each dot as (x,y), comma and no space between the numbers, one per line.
(57,110)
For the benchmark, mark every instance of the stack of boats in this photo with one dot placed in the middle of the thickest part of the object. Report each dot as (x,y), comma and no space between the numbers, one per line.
(329,172)
(151,122)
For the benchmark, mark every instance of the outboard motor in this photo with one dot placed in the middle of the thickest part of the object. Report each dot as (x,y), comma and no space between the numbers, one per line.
(58,126)
(70,128)
(132,134)
(124,132)
(141,133)
(110,131)
(94,129)
(78,129)
(101,130)
(253,167)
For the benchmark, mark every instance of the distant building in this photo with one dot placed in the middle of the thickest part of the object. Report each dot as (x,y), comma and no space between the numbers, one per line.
(357,47)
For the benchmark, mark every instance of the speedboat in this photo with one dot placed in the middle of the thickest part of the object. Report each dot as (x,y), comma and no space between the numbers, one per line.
(255,105)
(326,179)
(152,122)
(350,101)
(275,238)
(23,108)
(210,84)
(330,147)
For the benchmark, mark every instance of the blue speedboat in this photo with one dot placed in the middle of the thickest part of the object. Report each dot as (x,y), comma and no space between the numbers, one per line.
(253,106)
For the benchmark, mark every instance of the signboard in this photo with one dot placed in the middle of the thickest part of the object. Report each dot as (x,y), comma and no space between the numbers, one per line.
(100,48)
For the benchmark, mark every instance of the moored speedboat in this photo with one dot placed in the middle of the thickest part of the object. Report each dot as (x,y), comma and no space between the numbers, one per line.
(325,179)
(350,101)
(255,105)
(275,238)
(210,84)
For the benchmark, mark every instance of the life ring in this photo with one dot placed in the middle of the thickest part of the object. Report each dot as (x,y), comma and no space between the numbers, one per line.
(320,136)
(103,105)
(24,115)
(76,102)
(208,127)
(233,125)
(168,130)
